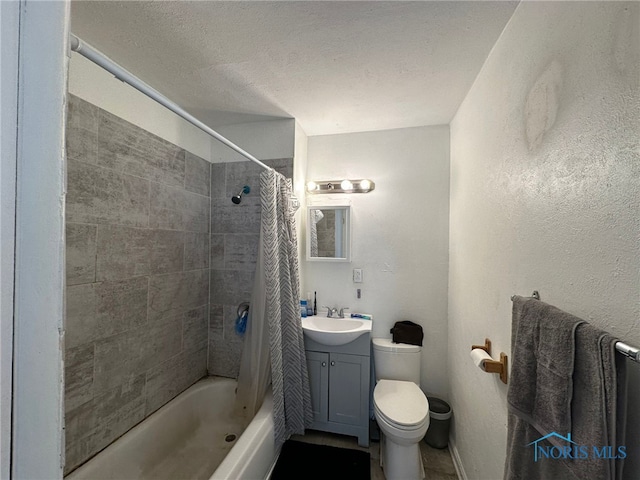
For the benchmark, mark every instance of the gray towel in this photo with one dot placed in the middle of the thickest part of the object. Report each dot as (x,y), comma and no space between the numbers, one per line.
(520,463)
(596,394)
(599,403)
(542,350)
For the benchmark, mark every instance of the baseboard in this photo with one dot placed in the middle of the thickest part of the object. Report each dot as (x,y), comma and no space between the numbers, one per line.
(457,462)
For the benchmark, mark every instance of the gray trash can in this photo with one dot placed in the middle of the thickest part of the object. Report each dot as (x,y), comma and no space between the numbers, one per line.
(439,420)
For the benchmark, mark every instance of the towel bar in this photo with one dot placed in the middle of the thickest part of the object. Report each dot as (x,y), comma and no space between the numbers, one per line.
(628,351)
(535,295)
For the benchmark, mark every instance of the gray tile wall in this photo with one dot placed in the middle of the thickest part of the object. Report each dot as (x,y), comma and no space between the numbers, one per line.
(138,219)
(235,232)
(158,259)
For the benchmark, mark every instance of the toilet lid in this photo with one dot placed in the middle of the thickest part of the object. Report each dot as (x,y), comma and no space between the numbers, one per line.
(387,345)
(400,402)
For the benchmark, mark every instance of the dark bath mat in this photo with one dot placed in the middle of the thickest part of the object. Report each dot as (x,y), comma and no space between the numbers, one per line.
(305,460)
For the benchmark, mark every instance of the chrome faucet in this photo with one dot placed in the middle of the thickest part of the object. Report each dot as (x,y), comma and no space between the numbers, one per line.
(331,311)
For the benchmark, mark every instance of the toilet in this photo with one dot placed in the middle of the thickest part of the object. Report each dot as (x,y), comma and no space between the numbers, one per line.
(400,407)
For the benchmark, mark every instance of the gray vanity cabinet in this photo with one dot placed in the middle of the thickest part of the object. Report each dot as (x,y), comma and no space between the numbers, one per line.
(318,367)
(339,381)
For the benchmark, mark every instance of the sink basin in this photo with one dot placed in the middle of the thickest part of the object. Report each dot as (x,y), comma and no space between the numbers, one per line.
(334,331)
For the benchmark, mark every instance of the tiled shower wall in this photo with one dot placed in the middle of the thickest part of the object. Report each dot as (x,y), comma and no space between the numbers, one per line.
(137,216)
(149,228)
(235,231)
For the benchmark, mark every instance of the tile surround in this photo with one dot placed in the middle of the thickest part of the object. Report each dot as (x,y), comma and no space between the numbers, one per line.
(158,259)
(123,252)
(82,131)
(235,233)
(78,382)
(80,320)
(174,208)
(225,217)
(138,251)
(98,195)
(177,292)
(196,251)
(81,253)
(127,149)
(241,251)
(231,287)
(121,305)
(196,175)
(194,329)
(173,376)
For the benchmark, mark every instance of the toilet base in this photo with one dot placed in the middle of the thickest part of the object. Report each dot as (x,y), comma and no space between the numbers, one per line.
(400,462)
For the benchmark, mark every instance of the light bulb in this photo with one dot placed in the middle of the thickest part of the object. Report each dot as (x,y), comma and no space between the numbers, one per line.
(365,184)
(311,186)
(346,185)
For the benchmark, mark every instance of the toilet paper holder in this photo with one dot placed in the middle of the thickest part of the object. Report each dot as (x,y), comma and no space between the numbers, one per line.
(494,366)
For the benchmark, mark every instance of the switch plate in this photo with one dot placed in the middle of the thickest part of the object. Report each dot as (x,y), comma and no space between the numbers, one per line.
(357,275)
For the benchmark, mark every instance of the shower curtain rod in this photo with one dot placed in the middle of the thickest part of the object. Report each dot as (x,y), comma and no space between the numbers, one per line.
(87,51)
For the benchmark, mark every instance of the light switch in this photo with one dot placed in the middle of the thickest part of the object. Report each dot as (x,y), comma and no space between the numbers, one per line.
(357,275)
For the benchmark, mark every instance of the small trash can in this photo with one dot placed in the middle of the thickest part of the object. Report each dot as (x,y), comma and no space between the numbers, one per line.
(439,420)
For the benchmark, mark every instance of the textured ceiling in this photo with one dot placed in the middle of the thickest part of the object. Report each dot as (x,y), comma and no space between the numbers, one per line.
(335,66)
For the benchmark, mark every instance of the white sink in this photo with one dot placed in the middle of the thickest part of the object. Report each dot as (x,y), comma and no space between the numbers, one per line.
(334,331)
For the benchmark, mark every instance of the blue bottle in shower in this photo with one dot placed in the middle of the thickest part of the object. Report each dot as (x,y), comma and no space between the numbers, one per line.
(303,308)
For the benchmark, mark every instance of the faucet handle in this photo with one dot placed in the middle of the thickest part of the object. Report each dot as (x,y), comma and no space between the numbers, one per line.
(342,311)
(330,311)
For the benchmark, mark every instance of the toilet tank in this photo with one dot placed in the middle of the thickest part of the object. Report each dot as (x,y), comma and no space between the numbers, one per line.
(396,361)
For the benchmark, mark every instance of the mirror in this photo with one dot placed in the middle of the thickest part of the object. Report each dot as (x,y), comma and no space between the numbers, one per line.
(329,233)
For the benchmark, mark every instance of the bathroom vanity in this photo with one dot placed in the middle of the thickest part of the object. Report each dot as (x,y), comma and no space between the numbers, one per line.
(339,379)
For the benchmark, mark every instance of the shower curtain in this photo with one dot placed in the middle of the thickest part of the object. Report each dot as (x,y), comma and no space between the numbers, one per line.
(274,333)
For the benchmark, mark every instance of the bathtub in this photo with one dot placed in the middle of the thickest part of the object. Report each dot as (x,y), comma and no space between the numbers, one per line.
(189,438)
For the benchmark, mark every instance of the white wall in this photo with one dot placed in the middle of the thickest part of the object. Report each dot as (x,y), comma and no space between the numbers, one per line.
(9,34)
(545,194)
(264,140)
(300,162)
(39,262)
(97,86)
(400,233)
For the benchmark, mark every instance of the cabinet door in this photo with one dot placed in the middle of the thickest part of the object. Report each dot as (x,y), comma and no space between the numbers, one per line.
(318,367)
(348,396)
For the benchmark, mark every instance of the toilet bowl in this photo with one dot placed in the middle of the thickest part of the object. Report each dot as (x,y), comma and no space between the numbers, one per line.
(401,409)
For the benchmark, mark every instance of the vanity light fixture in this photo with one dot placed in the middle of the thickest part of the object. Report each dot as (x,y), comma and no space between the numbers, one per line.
(341,186)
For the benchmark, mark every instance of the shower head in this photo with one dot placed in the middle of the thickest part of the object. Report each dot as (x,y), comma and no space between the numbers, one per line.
(238,198)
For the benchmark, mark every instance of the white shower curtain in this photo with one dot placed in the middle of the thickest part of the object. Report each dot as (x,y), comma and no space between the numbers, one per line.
(274,333)
(255,369)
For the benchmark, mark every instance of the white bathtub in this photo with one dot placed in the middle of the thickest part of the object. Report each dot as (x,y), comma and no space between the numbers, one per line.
(185,439)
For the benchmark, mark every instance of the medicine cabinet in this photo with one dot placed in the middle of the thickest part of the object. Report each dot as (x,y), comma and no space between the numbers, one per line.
(329,233)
